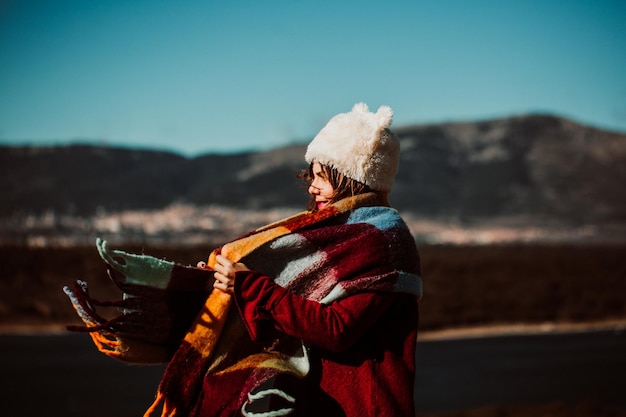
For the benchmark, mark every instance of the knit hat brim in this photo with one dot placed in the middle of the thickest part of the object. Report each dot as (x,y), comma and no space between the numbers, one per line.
(359,145)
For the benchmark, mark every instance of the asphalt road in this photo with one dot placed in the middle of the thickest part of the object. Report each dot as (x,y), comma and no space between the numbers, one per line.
(63,375)
(522,370)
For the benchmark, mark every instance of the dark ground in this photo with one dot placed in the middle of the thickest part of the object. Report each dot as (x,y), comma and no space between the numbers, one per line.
(463,285)
(557,375)
(577,374)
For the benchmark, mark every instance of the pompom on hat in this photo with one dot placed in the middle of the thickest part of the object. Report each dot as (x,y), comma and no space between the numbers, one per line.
(360,145)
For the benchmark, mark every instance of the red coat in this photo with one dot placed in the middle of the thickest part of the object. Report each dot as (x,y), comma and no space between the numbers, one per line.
(346,287)
(362,347)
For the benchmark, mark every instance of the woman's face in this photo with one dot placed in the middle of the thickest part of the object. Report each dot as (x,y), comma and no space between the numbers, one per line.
(320,187)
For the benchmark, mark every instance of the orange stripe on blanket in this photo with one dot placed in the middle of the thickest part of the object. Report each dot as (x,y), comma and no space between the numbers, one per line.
(236,250)
(206,330)
(263,360)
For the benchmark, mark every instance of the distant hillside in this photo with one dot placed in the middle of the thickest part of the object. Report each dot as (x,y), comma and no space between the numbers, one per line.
(532,165)
(521,166)
(81,179)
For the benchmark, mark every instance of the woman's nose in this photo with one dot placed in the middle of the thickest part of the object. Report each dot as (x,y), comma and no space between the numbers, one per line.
(313,189)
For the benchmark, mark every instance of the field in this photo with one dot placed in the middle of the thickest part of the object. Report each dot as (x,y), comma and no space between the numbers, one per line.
(479,288)
(464,286)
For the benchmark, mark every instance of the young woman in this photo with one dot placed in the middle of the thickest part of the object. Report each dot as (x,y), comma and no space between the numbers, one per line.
(316,314)
(361,346)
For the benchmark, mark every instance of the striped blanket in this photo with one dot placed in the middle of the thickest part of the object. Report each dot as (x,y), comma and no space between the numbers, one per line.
(351,246)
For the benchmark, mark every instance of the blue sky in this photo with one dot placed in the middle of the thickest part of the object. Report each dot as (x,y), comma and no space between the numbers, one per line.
(224,76)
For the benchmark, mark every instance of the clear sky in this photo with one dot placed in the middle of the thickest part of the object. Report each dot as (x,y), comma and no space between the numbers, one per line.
(221,76)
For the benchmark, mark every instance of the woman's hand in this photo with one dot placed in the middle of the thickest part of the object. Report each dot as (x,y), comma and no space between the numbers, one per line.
(225,273)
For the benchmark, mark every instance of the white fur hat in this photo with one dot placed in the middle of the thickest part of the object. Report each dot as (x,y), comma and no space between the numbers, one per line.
(359,145)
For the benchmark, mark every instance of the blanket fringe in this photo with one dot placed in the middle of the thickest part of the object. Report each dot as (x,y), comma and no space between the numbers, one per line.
(159,400)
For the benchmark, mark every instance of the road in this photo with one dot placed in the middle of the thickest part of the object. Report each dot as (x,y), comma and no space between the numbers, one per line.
(522,370)
(63,375)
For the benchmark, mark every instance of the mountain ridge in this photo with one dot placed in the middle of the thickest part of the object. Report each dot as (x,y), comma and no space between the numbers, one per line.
(536,165)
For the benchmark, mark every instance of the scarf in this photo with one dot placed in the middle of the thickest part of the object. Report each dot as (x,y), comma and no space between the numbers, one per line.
(311,254)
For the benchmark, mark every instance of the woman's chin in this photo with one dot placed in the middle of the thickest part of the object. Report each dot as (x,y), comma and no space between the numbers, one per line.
(321,204)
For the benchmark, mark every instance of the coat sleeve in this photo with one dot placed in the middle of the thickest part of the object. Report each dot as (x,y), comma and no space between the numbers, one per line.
(269,310)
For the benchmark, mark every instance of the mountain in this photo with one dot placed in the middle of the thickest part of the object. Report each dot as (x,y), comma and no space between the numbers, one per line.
(533,165)
(537,165)
(80,180)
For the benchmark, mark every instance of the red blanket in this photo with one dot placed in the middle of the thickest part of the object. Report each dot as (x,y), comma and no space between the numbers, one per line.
(322,256)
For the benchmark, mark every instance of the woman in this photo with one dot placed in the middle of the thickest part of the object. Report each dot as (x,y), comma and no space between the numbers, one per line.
(324,304)
(363,344)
